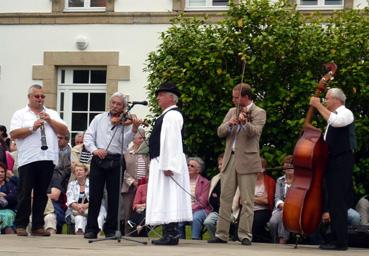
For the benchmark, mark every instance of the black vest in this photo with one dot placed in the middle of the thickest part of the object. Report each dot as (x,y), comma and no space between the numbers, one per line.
(154,141)
(340,139)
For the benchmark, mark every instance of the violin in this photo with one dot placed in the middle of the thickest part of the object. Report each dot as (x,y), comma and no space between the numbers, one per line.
(246,114)
(242,115)
(126,119)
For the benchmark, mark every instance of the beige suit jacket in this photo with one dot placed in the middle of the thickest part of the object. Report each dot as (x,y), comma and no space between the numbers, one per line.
(247,150)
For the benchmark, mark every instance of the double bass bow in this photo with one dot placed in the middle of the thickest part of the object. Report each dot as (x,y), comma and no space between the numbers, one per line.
(304,201)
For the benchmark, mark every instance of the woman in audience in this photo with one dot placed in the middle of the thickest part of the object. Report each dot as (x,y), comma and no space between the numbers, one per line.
(137,220)
(8,202)
(263,205)
(200,191)
(136,173)
(77,200)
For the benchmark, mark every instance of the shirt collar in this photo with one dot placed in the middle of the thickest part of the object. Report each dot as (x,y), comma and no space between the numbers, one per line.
(168,108)
(340,108)
(30,110)
(248,107)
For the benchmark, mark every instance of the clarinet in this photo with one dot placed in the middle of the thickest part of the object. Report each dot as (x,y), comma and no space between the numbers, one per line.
(43,138)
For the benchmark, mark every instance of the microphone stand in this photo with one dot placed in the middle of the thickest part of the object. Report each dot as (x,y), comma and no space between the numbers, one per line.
(118,234)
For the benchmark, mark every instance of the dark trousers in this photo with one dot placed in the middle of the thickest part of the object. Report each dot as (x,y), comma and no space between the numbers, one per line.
(339,188)
(99,176)
(138,219)
(259,233)
(34,176)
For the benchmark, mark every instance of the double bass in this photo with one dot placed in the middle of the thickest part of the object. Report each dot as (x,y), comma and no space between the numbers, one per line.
(303,205)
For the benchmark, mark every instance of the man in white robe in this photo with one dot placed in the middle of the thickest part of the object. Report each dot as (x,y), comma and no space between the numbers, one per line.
(167,201)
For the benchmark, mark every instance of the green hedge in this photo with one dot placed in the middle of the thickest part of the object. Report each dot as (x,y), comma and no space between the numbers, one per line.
(284,53)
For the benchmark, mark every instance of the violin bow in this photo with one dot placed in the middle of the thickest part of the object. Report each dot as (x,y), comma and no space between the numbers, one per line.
(238,107)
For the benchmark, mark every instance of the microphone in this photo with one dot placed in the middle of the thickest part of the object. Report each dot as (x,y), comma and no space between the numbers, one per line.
(144,102)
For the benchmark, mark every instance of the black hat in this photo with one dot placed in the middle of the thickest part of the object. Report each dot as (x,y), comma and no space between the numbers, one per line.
(168,87)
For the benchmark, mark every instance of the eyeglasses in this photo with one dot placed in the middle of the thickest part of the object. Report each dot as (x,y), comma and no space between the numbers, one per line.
(39,96)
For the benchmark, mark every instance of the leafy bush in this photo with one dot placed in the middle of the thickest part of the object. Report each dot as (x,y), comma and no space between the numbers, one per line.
(284,52)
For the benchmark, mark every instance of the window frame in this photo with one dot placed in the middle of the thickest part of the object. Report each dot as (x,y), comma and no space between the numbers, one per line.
(208,6)
(84,8)
(67,88)
(320,6)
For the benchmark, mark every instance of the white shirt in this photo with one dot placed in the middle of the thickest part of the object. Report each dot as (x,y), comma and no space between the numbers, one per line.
(101,131)
(341,118)
(29,148)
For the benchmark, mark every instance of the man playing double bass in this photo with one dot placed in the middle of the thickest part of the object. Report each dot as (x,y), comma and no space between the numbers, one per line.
(340,140)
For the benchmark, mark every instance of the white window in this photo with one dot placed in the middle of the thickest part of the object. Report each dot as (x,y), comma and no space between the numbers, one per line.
(206,5)
(81,96)
(320,4)
(85,5)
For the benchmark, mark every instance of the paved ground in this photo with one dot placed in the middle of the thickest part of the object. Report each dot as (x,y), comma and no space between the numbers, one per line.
(58,245)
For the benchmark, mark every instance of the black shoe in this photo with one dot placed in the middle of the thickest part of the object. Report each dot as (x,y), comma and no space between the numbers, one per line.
(90,235)
(109,234)
(165,241)
(217,240)
(245,241)
(333,247)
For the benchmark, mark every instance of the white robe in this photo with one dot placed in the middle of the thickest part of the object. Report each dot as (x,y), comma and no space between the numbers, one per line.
(167,202)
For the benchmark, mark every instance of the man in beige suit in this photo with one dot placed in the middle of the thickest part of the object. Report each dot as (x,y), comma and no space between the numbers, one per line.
(241,162)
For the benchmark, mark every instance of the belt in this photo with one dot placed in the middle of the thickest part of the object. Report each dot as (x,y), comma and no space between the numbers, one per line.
(111,156)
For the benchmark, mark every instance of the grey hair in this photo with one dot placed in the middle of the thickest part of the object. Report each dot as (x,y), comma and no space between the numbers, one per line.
(175,97)
(140,132)
(34,86)
(198,160)
(338,94)
(122,96)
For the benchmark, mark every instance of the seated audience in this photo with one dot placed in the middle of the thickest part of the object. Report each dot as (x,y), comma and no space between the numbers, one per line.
(278,232)
(4,137)
(50,217)
(363,208)
(3,150)
(137,220)
(79,153)
(214,201)
(14,154)
(8,202)
(59,181)
(326,235)
(200,192)
(263,204)
(78,139)
(137,169)
(77,201)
